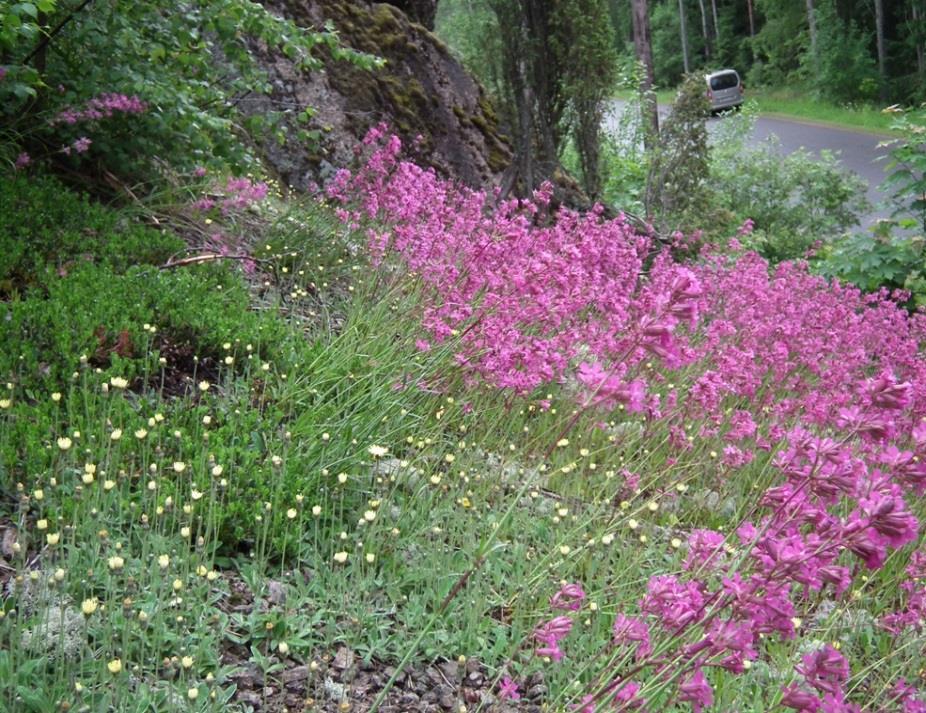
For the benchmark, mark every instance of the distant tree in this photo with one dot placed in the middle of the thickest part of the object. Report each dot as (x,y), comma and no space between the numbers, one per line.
(643,45)
(683,27)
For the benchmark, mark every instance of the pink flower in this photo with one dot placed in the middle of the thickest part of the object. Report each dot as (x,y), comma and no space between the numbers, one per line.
(697,691)
(508,690)
(22,161)
(826,670)
(569,598)
(81,145)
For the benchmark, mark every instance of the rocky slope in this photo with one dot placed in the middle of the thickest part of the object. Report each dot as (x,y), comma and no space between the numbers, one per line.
(421,92)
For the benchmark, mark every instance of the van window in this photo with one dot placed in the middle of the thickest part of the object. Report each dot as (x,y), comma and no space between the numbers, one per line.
(727,80)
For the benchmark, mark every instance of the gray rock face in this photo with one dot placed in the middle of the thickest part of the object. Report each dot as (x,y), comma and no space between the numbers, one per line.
(423,94)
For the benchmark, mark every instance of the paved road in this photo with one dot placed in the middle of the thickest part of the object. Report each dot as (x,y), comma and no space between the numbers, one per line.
(858,151)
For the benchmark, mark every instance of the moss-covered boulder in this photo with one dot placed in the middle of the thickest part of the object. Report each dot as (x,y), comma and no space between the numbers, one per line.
(423,93)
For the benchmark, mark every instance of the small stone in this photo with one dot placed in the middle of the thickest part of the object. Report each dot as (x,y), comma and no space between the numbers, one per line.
(343,659)
(295,677)
(276,592)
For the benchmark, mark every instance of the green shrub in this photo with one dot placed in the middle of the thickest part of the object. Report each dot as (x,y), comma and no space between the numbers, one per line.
(47,229)
(795,201)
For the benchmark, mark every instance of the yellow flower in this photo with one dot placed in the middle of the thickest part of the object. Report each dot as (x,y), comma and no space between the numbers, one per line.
(217,470)
(370,558)
(291,513)
(119,383)
(164,561)
(87,478)
(340,557)
(187,662)
(377,451)
(562,443)
(38,494)
(179,466)
(140,433)
(114,666)
(204,386)
(565,550)
(369,515)
(52,538)
(316,510)
(185,532)
(177,585)
(109,484)
(116,562)
(283,648)
(202,571)
(64,443)
(116,435)
(56,396)
(195,494)
(89,606)
(192,693)
(5,403)
(42,524)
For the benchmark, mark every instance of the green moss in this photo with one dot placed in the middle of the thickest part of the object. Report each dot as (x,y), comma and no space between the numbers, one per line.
(498,159)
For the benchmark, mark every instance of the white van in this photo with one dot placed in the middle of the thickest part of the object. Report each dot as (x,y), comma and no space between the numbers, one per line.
(724,90)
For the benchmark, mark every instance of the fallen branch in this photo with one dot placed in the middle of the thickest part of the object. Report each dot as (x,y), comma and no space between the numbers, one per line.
(208,257)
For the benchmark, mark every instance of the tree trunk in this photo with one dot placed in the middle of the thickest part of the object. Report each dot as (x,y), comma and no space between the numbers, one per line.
(752,19)
(812,26)
(716,23)
(684,33)
(644,50)
(882,54)
(920,54)
(704,31)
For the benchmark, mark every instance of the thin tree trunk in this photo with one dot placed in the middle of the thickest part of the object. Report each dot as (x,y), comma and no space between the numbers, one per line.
(882,55)
(716,23)
(920,54)
(704,31)
(644,50)
(812,26)
(752,19)
(684,33)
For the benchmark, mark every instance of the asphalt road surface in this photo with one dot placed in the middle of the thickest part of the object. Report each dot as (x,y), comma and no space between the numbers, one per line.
(857,151)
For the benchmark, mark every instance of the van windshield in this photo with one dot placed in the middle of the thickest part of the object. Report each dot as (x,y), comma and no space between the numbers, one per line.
(728,80)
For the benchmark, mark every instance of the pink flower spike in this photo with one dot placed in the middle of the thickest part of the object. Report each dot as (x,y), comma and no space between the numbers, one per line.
(22,161)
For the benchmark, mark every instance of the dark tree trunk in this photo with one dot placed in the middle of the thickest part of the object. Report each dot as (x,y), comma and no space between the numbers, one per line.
(882,54)
(752,19)
(644,49)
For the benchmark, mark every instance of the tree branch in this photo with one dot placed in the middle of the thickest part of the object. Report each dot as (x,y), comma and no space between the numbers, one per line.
(51,35)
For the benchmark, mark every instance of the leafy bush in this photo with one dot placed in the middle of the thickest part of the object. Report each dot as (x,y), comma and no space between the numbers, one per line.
(182,72)
(795,201)
(907,166)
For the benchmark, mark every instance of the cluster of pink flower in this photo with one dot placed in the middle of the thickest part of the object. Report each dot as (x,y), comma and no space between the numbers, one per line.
(236,195)
(102,106)
(533,298)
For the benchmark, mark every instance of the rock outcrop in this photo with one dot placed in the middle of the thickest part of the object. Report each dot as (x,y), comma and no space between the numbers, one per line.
(423,93)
